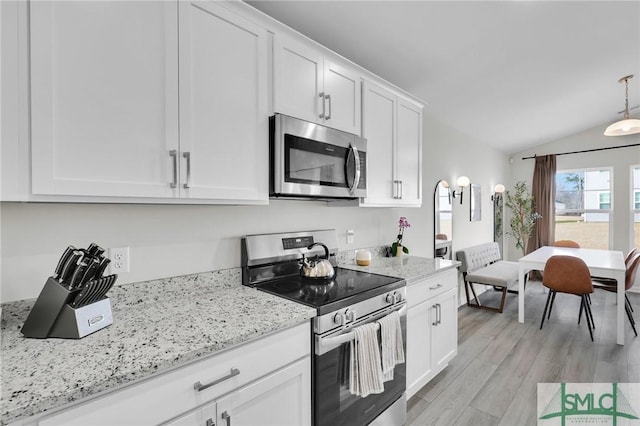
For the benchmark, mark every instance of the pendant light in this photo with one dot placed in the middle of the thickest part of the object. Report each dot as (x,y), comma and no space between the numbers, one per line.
(626,126)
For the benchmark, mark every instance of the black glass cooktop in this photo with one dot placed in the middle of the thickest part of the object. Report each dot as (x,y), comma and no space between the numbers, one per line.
(346,288)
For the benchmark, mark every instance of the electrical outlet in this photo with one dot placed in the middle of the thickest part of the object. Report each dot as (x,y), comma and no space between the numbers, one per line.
(119,260)
(349,236)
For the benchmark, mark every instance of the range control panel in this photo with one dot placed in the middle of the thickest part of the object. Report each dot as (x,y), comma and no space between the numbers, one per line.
(297,242)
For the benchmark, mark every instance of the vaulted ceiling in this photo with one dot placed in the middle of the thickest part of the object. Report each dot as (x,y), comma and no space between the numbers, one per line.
(511,74)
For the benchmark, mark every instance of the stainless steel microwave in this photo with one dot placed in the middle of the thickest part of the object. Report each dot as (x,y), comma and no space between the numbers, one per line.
(313,161)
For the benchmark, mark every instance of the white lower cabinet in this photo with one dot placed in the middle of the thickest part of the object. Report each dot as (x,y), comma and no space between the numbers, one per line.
(432,328)
(277,400)
(264,382)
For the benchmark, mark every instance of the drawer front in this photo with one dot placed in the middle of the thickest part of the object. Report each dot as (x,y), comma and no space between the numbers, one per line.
(162,397)
(423,290)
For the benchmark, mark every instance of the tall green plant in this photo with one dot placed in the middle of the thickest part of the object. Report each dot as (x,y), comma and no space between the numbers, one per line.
(523,215)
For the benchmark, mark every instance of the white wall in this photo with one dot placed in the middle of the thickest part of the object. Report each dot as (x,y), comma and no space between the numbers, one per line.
(452,154)
(171,240)
(620,160)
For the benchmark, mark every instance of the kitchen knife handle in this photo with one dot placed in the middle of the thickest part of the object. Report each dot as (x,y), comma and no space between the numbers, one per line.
(90,273)
(187,155)
(63,260)
(173,153)
(70,266)
(200,387)
(95,250)
(103,267)
(78,274)
(226,416)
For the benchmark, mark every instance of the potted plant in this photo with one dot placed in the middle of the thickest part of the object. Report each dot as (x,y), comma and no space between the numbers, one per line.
(397,248)
(523,215)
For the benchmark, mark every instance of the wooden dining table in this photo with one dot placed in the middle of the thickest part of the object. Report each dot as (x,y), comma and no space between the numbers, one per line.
(601,263)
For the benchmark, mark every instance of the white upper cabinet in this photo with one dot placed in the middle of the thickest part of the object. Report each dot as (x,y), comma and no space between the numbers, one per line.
(127,103)
(224,121)
(104,97)
(379,128)
(409,152)
(392,126)
(310,85)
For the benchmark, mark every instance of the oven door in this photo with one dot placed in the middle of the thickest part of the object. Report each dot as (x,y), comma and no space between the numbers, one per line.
(316,161)
(334,405)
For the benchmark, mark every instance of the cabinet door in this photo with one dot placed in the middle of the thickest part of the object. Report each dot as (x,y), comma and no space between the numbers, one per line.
(223,105)
(343,105)
(445,335)
(104,97)
(409,153)
(379,128)
(204,416)
(282,398)
(298,79)
(418,347)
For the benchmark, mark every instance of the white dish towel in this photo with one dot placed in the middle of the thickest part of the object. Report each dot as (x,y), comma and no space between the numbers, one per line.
(392,348)
(365,370)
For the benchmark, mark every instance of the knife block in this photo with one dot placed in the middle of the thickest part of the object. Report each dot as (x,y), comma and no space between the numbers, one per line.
(51,315)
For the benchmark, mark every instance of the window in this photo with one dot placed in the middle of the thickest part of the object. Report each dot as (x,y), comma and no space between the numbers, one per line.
(636,203)
(605,201)
(584,206)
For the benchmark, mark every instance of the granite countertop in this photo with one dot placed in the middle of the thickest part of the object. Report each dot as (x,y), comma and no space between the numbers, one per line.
(411,268)
(157,325)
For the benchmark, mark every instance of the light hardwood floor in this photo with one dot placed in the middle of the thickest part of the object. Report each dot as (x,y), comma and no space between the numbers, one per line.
(494,377)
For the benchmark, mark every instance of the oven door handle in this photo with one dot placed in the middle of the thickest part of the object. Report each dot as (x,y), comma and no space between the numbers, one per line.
(326,344)
(353,152)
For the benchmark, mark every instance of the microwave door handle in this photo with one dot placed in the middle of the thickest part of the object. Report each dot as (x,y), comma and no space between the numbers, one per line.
(356,177)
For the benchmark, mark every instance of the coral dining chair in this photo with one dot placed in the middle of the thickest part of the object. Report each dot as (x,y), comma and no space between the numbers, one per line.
(566,243)
(570,275)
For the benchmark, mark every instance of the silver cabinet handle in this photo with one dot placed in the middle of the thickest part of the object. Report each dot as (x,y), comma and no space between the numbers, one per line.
(356,174)
(439,307)
(328,97)
(209,422)
(435,307)
(226,416)
(396,187)
(401,190)
(200,387)
(321,96)
(173,153)
(187,155)
(435,287)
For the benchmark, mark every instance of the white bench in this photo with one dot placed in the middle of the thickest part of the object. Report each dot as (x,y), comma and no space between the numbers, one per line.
(482,264)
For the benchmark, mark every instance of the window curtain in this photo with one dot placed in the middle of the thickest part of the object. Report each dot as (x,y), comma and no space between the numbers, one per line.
(544,199)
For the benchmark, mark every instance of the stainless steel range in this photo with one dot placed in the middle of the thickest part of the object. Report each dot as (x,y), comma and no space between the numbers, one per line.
(272,263)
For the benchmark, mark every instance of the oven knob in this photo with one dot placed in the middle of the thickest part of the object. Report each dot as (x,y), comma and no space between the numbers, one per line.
(390,298)
(350,315)
(338,319)
(397,297)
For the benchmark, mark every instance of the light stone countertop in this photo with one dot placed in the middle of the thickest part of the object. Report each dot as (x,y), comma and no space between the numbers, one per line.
(411,268)
(157,325)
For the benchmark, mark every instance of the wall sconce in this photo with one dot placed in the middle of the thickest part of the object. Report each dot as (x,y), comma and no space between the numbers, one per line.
(462,183)
(497,191)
